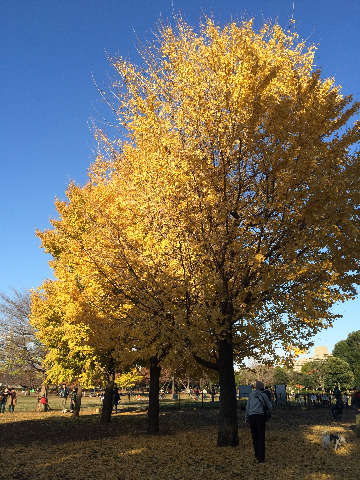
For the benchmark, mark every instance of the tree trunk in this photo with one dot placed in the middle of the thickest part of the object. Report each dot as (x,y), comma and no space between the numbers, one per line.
(77,406)
(108,400)
(153,413)
(228,427)
(357,424)
(42,407)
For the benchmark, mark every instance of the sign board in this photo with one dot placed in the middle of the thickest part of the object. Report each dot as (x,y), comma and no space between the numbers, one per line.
(280,393)
(244,390)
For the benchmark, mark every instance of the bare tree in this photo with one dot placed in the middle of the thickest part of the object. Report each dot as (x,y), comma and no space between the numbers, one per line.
(21,353)
(257,371)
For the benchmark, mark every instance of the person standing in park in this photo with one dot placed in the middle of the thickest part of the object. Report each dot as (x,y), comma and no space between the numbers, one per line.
(73,399)
(268,393)
(12,400)
(254,416)
(355,403)
(355,400)
(64,393)
(3,399)
(43,402)
(116,398)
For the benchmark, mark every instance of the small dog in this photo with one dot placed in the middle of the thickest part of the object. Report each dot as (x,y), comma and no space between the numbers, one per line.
(337,440)
(64,411)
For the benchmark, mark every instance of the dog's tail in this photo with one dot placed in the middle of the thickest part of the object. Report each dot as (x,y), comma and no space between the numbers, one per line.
(324,433)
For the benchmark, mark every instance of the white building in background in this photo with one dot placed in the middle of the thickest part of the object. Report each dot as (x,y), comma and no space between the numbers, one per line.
(321,353)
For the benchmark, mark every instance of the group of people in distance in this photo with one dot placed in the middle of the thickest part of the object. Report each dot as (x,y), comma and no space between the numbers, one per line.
(64,393)
(115,398)
(7,396)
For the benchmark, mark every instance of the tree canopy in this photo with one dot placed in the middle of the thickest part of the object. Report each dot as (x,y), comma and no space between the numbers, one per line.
(326,374)
(349,350)
(337,374)
(56,315)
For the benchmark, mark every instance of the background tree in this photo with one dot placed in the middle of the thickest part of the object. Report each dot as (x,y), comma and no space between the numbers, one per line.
(282,376)
(129,379)
(337,373)
(349,350)
(256,371)
(326,374)
(313,375)
(21,353)
(297,378)
(71,356)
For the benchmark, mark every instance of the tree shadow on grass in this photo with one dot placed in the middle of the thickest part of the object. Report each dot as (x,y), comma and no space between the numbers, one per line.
(56,429)
(59,429)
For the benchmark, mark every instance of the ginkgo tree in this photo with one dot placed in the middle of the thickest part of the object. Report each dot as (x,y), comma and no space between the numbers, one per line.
(71,355)
(101,260)
(245,172)
(225,215)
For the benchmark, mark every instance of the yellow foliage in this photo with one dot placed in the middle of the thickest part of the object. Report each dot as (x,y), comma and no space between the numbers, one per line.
(229,210)
(128,379)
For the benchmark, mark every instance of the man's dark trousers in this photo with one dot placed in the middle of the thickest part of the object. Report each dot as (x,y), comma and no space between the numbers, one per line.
(257,426)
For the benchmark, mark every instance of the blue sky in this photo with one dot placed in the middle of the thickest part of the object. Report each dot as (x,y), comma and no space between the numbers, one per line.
(50,51)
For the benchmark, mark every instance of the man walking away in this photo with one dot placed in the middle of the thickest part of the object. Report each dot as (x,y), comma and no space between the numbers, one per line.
(254,416)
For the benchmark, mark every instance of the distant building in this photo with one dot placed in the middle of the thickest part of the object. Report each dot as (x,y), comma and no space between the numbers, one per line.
(320,354)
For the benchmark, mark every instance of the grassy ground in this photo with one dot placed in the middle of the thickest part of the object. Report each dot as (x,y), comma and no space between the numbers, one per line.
(55,446)
(28,403)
